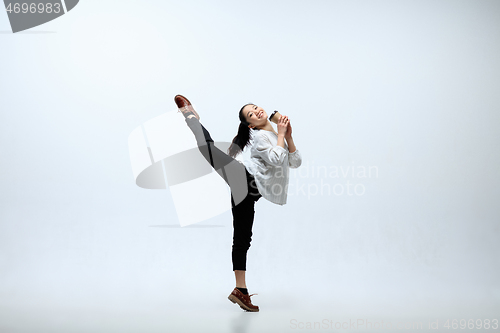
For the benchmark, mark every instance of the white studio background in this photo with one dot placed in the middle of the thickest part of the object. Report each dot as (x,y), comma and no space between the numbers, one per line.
(409,88)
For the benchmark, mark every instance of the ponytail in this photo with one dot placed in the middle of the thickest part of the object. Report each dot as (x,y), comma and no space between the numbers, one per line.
(242,139)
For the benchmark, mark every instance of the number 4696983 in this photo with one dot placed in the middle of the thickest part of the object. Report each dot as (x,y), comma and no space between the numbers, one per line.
(471,324)
(33,8)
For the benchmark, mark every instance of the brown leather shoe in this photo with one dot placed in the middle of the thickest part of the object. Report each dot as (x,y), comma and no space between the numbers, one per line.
(185,106)
(243,300)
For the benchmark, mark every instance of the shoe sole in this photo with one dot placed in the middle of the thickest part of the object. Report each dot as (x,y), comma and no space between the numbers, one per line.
(196,115)
(236,300)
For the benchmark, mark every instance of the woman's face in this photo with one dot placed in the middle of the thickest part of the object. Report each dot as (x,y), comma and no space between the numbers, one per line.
(255,116)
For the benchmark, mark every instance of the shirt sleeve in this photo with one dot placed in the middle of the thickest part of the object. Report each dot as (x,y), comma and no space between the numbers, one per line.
(274,155)
(294,159)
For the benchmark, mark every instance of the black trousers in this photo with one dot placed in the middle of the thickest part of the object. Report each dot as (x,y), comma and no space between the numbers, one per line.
(244,192)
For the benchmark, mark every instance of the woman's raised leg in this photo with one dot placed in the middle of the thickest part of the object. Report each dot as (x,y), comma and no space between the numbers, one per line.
(232,171)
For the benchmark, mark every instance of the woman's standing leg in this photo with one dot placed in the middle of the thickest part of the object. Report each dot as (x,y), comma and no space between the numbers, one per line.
(243,217)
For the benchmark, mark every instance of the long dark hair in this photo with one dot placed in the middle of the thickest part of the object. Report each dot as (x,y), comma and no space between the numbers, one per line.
(242,139)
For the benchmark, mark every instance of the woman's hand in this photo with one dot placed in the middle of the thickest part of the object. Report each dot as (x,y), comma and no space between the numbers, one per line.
(283,126)
(288,137)
(288,134)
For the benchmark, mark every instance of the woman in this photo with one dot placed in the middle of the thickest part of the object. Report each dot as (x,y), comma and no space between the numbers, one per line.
(264,175)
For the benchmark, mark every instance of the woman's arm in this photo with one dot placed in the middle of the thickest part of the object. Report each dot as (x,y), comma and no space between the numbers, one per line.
(262,147)
(282,131)
(291,144)
(288,136)
(294,157)
(281,140)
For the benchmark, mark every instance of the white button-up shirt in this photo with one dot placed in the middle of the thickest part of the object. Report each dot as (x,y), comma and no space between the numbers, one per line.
(269,164)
